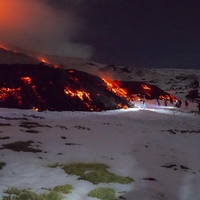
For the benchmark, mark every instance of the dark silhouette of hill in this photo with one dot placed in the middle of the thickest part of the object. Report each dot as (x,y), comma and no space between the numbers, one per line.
(45,88)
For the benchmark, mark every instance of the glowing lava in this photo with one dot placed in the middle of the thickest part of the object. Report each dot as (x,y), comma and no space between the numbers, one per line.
(116,89)
(26,80)
(84,96)
(5,93)
(77,93)
(146,87)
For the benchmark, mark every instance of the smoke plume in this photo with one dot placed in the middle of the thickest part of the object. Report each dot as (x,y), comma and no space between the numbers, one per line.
(37,26)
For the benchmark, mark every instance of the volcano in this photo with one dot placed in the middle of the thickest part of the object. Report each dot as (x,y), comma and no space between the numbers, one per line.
(40,87)
(45,88)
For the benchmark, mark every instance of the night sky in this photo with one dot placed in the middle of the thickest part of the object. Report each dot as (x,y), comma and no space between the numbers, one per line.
(140,33)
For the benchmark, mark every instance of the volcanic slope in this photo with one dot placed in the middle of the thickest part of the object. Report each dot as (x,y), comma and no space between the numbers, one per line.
(45,88)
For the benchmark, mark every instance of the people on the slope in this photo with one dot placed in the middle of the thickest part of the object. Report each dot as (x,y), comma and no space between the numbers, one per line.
(165,101)
(143,104)
(158,101)
(178,103)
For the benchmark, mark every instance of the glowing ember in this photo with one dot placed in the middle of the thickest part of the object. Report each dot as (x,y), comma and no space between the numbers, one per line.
(74,79)
(13,92)
(26,80)
(146,87)
(36,93)
(122,106)
(36,109)
(43,60)
(148,94)
(56,66)
(168,97)
(89,106)
(71,71)
(46,62)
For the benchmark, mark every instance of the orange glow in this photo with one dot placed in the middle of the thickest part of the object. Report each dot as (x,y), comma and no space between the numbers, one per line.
(71,71)
(148,94)
(44,60)
(125,107)
(3,47)
(168,97)
(26,80)
(80,94)
(146,87)
(36,109)
(36,93)
(14,92)
(74,79)
(122,106)
(116,89)
(7,49)
(88,105)
(56,66)
(40,59)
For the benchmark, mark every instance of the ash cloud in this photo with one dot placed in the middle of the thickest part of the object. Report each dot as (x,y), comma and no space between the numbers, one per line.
(36,25)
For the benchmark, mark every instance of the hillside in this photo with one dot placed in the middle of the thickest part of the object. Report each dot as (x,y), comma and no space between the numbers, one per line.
(177,82)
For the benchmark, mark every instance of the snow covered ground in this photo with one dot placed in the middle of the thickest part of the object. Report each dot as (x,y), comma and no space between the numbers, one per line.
(158,147)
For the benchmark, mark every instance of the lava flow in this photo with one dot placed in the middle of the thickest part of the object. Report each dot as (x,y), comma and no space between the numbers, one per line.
(116,89)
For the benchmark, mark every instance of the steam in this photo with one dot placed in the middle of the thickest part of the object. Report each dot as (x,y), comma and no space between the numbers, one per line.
(34,25)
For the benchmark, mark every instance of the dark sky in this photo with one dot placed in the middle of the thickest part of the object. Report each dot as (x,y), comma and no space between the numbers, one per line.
(146,33)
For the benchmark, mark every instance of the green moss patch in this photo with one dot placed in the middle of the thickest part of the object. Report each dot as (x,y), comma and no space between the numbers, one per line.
(15,194)
(103,193)
(95,173)
(26,194)
(66,189)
